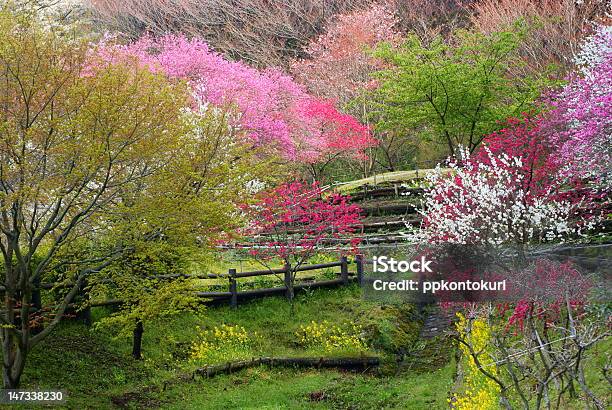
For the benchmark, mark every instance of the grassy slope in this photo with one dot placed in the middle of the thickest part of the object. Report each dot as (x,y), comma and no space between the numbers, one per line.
(98,373)
(263,388)
(94,368)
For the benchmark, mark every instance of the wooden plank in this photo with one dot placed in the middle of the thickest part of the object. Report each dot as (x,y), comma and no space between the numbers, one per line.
(214,294)
(318,266)
(259,273)
(282,270)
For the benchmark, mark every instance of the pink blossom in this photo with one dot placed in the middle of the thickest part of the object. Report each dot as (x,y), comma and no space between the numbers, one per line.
(272,109)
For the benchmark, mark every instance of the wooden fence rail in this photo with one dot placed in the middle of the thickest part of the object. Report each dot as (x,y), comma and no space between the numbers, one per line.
(233,295)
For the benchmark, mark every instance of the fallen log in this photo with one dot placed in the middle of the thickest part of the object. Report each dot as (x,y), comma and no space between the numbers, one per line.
(346,363)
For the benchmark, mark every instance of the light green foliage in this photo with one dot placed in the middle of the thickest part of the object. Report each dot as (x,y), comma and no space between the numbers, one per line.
(455,91)
(104,163)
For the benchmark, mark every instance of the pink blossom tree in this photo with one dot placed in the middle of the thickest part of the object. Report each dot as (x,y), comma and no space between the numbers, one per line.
(270,107)
(580,122)
(339,66)
(293,221)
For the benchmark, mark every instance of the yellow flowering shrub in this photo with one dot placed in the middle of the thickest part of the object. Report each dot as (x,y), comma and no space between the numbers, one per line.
(221,343)
(331,337)
(480,392)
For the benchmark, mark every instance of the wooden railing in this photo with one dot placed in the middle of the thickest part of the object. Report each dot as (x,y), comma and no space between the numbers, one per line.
(232,295)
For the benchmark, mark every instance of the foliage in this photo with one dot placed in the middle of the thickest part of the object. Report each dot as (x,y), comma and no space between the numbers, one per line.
(294,219)
(339,67)
(480,391)
(78,145)
(146,301)
(331,337)
(540,343)
(270,107)
(542,289)
(525,138)
(338,64)
(453,92)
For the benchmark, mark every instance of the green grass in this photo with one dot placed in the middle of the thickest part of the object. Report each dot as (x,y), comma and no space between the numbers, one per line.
(263,388)
(94,368)
(97,371)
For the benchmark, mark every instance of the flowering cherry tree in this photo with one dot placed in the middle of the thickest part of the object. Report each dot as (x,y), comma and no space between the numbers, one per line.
(547,340)
(292,222)
(271,108)
(340,65)
(491,202)
(580,123)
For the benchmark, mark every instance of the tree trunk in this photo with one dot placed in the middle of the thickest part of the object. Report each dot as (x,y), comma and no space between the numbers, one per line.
(137,345)
(13,360)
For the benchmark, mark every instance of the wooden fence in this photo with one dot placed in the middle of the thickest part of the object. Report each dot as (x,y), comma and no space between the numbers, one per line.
(232,296)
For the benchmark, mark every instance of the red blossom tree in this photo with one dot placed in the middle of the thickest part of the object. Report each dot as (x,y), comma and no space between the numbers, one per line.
(293,221)
(524,138)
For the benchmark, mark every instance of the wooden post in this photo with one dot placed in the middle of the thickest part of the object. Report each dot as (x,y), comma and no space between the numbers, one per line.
(137,343)
(344,270)
(288,282)
(233,288)
(359,262)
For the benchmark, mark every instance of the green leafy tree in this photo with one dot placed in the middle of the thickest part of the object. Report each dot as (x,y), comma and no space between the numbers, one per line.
(453,92)
(174,220)
(97,162)
(73,139)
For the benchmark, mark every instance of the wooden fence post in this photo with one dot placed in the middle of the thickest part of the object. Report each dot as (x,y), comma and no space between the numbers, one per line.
(288,282)
(344,270)
(359,262)
(137,341)
(233,288)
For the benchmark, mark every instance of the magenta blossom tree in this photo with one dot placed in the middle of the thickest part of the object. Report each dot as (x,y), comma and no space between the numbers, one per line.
(580,122)
(294,221)
(270,107)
